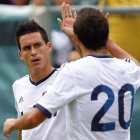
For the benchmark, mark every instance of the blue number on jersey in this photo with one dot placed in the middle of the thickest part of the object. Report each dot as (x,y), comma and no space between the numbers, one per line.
(126,87)
(95,125)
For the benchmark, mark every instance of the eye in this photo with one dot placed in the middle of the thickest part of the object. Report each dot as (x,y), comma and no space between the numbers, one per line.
(38,44)
(26,48)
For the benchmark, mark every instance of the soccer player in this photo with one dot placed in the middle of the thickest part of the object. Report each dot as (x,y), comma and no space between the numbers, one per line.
(67,27)
(34,49)
(98,89)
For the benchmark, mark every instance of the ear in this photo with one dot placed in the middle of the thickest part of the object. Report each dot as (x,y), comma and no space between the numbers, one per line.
(78,42)
(20,55)
(49,45)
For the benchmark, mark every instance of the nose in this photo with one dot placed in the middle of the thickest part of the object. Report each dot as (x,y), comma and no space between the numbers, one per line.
(33,51)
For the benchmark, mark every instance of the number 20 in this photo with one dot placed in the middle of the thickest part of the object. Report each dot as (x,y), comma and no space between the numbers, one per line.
(95,125)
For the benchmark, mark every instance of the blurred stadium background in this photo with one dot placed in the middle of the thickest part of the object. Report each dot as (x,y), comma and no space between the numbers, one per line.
(124,24)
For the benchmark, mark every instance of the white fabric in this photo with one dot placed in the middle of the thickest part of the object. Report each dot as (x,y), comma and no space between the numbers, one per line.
(26,95)
(74,85)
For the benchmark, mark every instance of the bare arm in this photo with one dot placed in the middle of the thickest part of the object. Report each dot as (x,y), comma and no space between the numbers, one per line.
(115,50)
(118,52)
(67,27)
(29,120)
(19,135)
(66,24)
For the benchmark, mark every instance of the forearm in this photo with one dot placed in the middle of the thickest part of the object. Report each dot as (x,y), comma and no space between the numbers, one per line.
(72,39)
(29,120)
(118,52)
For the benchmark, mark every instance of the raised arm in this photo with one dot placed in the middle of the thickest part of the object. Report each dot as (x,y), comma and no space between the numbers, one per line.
(115,50)
(66,24)
(29,120)
(118,52)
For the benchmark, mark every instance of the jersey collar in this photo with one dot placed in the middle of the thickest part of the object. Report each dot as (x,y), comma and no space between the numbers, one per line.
(101,56)
(42,80)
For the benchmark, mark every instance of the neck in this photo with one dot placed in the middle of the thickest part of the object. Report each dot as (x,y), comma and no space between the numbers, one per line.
(40,75)
(86,51)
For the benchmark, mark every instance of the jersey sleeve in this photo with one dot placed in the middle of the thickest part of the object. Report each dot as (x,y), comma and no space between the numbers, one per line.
(134,64)
(130,61)
(62,91)
(139,77)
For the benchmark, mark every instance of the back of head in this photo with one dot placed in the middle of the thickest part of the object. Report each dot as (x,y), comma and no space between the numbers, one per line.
(91,28)
(30,26)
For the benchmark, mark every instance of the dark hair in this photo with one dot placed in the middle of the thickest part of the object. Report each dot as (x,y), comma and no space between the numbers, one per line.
(30,26)
(91,28)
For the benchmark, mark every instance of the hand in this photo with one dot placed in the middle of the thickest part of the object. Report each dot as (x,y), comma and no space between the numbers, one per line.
(8,127)
(107,15)
(68,20)
(107,18)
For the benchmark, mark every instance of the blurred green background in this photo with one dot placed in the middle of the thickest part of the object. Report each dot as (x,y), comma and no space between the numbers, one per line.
(11,68)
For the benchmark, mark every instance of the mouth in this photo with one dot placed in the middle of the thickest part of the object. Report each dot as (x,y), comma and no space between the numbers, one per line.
(35,60)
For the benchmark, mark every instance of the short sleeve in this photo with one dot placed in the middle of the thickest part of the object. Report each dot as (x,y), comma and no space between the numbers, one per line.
(130,61)
(61,92)
(139,77)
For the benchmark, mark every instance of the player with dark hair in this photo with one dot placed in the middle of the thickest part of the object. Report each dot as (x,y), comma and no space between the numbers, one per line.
(94,38)
(97,89)
(34,49)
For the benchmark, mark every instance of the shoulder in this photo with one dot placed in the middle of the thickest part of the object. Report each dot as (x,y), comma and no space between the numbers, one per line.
(127,63)
(21,80)
(81,63)
(75,68)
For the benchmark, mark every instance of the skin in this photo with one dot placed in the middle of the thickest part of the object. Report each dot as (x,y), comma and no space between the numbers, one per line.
(34,116)
(35,53)
(66,24)
(73,55)
(30,120)
(34,47)
(38,2)
(118,52)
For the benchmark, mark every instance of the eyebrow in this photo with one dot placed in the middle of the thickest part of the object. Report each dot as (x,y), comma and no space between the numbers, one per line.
(26,46)
(38,43)
(30,45)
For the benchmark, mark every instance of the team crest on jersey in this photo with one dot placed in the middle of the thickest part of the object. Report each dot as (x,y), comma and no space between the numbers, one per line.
(44,93)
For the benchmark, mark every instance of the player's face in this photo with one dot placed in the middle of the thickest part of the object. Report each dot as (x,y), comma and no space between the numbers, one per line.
(35,52)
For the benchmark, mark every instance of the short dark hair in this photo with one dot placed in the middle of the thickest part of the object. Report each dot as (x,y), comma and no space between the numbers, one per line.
(91,28)
(30,26)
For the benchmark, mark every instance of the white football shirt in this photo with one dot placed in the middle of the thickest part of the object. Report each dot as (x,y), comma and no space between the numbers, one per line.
(27,93)
(99,92)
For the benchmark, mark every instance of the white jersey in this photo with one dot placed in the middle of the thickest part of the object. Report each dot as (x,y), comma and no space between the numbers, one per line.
(99,93)
(27,93)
